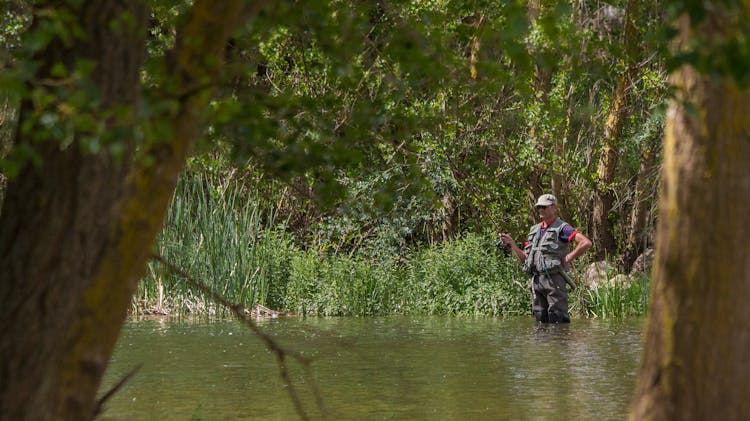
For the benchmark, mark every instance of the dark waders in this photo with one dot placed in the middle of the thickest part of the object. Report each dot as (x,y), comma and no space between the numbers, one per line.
(549,298)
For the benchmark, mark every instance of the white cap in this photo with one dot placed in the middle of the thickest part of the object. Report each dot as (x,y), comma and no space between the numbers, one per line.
(545,200)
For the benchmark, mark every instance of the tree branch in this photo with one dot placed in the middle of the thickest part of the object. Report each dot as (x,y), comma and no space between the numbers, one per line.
(281,353)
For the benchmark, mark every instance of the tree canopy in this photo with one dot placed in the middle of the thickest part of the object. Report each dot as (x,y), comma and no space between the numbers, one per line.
(425,118)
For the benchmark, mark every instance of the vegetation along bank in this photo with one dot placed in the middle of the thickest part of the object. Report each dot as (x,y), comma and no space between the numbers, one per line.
(222,235)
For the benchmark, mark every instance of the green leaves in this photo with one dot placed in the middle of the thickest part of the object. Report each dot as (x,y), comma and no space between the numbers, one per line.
(719,52)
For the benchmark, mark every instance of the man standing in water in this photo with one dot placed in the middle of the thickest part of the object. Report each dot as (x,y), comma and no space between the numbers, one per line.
(546,256)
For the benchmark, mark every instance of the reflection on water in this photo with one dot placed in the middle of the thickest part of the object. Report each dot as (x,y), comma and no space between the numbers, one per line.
(379,368)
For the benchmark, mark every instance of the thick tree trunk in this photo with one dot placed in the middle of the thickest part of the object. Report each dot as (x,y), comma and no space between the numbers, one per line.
(76,230)
(604,238)
(56,225)
(695,365)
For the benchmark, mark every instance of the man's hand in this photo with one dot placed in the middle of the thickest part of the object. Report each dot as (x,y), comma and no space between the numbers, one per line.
(506,239)
(567,260)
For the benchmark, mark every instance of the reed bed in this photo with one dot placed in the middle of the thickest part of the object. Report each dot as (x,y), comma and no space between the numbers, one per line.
(462,277)
(216,235)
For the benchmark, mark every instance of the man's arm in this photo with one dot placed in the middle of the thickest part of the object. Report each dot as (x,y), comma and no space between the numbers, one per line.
(582,244)
(507,239)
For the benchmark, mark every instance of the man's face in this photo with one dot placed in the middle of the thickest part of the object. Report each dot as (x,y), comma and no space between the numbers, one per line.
(545,212)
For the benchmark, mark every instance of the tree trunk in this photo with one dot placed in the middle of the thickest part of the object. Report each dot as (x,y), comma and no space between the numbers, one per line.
(695,365)
(542,84)
(76,230)
(476,45)
(560,180)
(8,120)
(604,238)
(49,248)
(641,202)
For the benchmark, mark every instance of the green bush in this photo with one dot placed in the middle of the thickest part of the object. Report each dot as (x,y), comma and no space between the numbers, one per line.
(462,277)
(467,277)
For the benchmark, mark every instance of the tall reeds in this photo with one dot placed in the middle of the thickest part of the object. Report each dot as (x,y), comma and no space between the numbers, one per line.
(615,300)
(217,235)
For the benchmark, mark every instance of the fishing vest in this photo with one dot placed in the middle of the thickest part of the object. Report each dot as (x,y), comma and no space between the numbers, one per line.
(546,253)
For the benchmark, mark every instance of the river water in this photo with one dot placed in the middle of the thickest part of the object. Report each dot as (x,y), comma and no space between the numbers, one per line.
(392,368)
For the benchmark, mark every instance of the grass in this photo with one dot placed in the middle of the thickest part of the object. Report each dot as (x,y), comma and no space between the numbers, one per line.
(214,233)
(617,300)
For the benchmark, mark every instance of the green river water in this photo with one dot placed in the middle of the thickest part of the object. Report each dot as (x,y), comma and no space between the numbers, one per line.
(392,368)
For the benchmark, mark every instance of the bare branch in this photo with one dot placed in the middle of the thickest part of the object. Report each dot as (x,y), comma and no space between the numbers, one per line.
(282,354)
(100,403)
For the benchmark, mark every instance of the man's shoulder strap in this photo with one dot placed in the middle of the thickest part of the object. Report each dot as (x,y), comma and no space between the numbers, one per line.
(535,228)
(559,224)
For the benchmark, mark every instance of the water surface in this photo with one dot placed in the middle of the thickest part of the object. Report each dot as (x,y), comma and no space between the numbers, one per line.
(378,368)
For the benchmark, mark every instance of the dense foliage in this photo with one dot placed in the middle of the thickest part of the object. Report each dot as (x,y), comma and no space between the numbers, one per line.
(427,120)
(391,140)
(355,136)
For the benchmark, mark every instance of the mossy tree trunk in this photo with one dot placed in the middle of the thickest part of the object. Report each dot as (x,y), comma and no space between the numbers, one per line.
(695,365)
(77,228)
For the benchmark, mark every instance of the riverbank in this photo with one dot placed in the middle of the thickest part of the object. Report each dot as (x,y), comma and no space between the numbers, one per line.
(239,251)
(465,277)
